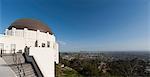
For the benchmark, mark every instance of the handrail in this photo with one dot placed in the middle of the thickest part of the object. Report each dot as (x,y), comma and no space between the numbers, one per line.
(22,67)
(16,61)
(30,59)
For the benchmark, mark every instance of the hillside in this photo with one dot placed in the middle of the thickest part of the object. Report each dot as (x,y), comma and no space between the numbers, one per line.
(66,72)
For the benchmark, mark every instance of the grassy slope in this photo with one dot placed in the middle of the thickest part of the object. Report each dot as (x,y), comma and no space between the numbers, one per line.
(66,72)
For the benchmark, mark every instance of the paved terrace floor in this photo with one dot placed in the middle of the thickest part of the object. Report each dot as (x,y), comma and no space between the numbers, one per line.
(5,70)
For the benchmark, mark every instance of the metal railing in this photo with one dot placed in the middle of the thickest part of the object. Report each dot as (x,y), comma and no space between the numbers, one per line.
(17,61)
(19,64)
(6,52)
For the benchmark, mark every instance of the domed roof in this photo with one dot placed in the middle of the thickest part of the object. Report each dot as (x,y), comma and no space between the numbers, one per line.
(30,24)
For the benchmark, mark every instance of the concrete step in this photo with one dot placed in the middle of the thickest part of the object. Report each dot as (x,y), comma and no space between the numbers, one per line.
(24,68)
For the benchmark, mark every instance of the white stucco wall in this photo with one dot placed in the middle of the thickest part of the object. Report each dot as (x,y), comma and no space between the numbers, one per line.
(31,36)
(44,56)
(8,40)
(45,60)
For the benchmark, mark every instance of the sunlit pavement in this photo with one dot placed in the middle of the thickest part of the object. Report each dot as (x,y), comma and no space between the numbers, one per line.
(5,71)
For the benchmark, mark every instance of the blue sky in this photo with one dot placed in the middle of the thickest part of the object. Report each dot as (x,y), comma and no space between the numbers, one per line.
(105,25)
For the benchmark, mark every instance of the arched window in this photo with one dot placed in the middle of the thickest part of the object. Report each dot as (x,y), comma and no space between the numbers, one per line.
(43,44)
(36,43)
(48,44)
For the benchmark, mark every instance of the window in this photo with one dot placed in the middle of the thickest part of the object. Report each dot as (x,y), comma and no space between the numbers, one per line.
(36,43)
(43,44)
(48,44)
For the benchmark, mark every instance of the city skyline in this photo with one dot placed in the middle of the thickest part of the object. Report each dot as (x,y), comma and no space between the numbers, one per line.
(92,25)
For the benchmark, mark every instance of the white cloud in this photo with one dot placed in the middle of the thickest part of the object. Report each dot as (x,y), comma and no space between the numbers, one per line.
(62,42)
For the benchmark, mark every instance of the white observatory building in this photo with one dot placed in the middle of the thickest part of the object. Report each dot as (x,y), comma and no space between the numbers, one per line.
(36,38)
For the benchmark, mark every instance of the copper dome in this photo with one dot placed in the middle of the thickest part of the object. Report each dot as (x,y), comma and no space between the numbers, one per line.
(30,24)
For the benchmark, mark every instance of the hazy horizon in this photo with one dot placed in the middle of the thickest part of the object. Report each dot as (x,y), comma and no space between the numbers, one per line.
(90,25)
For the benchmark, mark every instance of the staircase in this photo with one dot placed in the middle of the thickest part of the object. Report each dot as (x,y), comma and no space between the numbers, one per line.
(19,66)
